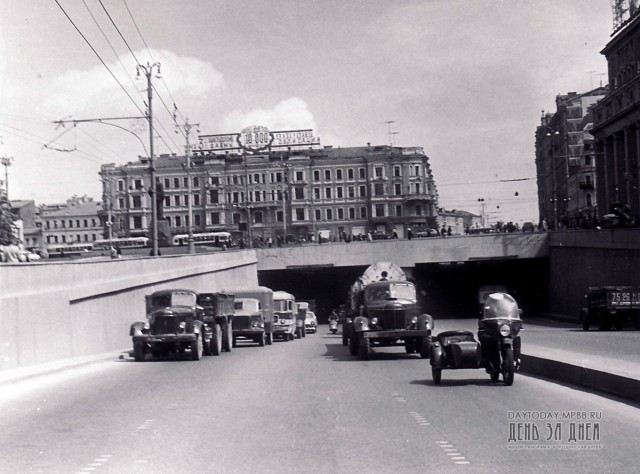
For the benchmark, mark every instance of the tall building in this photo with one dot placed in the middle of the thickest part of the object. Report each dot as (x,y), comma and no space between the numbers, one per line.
(565,162)
(75,221)
(291,189)
(616,127)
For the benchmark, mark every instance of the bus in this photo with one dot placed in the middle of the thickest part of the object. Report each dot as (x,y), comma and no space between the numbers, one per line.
(218,239)
(69,250)
(123,242)
(284,315)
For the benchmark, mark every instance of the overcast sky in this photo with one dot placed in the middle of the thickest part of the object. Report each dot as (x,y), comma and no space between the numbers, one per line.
(465,79)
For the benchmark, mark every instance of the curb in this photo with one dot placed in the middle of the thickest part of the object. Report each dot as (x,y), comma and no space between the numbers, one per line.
(596,380)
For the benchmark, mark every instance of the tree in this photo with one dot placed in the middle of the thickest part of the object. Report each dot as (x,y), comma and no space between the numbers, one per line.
(7,222)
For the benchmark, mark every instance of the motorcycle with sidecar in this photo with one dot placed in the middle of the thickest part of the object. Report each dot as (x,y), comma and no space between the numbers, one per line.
(498,346)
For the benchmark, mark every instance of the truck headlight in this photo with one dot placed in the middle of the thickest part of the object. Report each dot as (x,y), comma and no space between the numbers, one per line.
(414,320)
(374,321)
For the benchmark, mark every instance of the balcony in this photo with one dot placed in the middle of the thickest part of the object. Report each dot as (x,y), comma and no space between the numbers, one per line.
(587,186)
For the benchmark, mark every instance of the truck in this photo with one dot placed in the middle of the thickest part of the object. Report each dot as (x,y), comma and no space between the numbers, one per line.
(218,315)
(265,296)
(383,311)
(174,325)
(611,306)
(249,323)
(285,314)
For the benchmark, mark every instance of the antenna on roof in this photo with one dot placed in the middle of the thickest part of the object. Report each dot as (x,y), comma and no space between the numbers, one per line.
(391,134)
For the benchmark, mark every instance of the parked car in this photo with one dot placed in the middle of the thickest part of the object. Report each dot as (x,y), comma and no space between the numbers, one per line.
(428,233)
(174,324)
(528,227)
(311,322)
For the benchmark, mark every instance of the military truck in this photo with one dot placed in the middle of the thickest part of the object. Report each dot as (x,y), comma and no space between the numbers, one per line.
(249,321)
(174,325)
(611,306)
(218,315)
(265,296)
(383,311)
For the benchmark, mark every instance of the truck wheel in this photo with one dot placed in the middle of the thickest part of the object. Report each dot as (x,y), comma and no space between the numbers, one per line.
(585,324)
(138,351)
(436,374)
(353,344)
(604,326)
(269,339)
(425,347)
(409,346)
(235,342)
(363,348)
(291,337)
(227,336)
(196,348)
(216,341)
(345,339)
(261,340)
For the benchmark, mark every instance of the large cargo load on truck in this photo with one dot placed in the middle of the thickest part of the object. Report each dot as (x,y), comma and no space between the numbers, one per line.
(383,311)
(611,306)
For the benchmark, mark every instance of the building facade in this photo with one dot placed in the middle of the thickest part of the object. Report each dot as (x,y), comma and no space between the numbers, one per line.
(290,193)
(31,227)
(566,162)
(616,127)
(74,222)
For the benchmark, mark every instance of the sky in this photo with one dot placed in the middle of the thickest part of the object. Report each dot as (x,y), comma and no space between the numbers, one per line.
(467,80)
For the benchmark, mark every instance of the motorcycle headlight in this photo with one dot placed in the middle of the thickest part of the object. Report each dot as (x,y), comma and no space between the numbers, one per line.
(505,330)
(374,321)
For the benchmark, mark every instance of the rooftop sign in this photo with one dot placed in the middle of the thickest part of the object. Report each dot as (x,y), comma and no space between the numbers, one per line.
(255,139)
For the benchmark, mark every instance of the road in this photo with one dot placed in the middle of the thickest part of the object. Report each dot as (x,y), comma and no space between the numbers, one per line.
(305,405)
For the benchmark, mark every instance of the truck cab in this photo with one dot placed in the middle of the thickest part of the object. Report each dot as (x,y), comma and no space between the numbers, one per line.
(248,321)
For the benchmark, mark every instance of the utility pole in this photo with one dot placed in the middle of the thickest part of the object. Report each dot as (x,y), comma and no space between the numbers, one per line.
(187,131)
(391,134)
(148,72)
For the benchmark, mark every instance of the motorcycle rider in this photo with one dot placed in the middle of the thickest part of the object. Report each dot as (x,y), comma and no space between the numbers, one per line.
(498,305)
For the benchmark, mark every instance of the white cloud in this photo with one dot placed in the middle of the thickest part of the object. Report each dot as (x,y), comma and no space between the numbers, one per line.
(289,114)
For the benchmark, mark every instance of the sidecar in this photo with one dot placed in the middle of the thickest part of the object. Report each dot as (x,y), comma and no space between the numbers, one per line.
(454,350)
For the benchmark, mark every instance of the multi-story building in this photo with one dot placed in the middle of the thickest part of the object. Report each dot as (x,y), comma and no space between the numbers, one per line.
(294,191)
(31,228)
(565,162)
(75,221)
(459,221)
(616,127)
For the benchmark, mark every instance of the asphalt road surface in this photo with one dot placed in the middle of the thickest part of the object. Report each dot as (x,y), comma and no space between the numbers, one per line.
(306,406)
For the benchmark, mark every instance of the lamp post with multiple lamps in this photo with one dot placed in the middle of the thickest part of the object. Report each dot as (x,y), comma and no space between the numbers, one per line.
(187,132)
(551,133)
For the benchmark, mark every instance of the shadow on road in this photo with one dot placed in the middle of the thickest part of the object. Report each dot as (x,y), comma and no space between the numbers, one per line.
(339,353)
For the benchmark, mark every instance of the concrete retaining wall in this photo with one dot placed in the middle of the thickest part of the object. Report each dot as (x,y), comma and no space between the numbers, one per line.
(51,311)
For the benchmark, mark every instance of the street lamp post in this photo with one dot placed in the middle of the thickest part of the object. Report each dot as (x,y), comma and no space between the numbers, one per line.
(148,72)
(551,133)
(6,161)
(482,204)
(190,240)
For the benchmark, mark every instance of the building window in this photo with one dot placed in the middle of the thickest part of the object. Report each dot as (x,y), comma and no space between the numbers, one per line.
(350,173)
(589,202)
(167,201)
(316,175)
(178,221)
(417,170)
(196,199)
(137,222)
(120,185)
(396,171)
(417,188)
(327,175)
(214,180)
(363,213)
(299,193)
(167,183)
(236,218)
(318,215)
(339,175)
(196,220)
(399,211)
(186,200)
(361,173)
(363,191)
(121,203)
(327,193)
(352,213)
(299,214)
(351,192)
(339,192)
(299,176)
(378,189)
(137,202)
(378,171)
(176,183)
(418,210)
(70,224)
(196,182)
(279,216)
(257,217)
(86,223)
(213,196)
(236,197)
(398,189)
(340,214)
(379,210)
(316,193)
(215,218)
(176,201)
(329,214)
